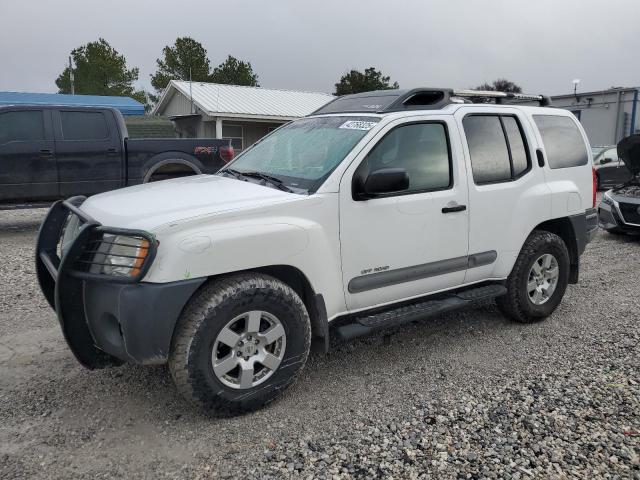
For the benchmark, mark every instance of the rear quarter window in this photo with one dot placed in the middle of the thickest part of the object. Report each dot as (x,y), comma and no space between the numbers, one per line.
(563,142)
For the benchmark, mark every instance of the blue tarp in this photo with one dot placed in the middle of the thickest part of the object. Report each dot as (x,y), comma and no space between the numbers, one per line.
(126,105)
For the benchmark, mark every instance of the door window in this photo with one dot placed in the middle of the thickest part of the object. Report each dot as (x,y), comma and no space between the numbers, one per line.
(84,125)
(563,142)
(497,147)
(422,149)
(23,126)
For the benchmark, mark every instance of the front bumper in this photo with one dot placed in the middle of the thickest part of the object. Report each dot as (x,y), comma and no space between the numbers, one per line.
(611,218)
(106,320)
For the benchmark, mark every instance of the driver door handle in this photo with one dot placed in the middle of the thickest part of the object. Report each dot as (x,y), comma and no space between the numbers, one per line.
(457,208)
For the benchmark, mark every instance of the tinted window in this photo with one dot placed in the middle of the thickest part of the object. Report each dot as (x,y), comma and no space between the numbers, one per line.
(519,154)
(488,149)
(421,149)
(562,141)
(84,126)
(24,126)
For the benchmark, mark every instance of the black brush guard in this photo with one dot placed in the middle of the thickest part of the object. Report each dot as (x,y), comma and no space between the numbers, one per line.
(72,270)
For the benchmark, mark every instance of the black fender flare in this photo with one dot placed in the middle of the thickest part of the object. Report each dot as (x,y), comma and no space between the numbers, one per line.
(171,158)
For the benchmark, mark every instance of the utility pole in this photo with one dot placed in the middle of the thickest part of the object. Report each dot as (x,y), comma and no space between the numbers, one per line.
(73,90)
(190,90)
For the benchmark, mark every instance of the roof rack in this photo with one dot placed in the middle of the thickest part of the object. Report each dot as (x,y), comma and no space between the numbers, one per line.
(385,101)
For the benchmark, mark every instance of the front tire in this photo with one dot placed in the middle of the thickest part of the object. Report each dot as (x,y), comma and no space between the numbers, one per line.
(538,280)
(240,342)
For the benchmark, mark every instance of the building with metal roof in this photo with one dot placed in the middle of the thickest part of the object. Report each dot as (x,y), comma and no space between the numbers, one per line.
(126,105)
(242,114)
(606,115)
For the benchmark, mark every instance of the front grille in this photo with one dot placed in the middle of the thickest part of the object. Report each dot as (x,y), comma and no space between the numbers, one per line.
(630,212)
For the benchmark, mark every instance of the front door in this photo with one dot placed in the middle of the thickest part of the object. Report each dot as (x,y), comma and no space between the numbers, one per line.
(27,163)
(409,243)
(88,151)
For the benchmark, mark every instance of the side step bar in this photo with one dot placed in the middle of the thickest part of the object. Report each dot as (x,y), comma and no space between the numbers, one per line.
(364,325)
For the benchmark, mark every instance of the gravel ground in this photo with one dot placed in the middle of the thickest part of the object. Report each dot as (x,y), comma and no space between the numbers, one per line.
(464,395)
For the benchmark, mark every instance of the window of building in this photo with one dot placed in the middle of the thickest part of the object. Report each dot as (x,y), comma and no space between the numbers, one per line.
(563,142)
(23,126)
(233,133)
(84,125)
(497,147)
(422,149)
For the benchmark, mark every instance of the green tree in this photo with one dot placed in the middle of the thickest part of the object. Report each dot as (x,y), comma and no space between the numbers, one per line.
(100,70)
(500,85)
(235,72)
(356,82)
(186,59)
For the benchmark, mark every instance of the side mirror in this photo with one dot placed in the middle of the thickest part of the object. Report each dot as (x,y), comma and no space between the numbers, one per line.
(385,180)
(605,161)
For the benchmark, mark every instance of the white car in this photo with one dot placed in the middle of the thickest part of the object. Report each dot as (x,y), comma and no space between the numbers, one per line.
(378,209)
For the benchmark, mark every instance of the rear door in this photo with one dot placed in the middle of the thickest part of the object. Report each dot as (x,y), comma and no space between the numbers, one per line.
(88,151)
(508,196)
(27,164)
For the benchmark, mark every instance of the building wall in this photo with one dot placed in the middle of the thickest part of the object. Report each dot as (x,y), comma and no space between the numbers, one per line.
(606,116)
(178,105)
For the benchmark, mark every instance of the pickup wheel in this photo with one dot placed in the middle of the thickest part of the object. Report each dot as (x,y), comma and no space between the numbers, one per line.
(538,280)
(240,342)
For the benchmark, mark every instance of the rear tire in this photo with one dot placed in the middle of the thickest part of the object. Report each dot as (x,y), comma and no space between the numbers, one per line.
(535,288)
(216,353)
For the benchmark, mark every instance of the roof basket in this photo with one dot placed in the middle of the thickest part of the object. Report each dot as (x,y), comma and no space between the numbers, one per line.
(385,101)
(499,97)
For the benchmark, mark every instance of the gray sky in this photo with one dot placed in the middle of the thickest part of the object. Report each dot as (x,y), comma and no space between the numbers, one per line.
(541,45)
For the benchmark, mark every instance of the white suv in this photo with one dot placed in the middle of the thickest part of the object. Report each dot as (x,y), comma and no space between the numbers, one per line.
(378,209)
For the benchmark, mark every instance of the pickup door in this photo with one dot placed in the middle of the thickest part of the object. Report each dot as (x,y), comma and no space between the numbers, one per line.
(27,163)
(89,151)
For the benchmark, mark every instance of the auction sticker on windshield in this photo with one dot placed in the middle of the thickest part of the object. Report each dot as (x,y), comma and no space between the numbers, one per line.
(358,125)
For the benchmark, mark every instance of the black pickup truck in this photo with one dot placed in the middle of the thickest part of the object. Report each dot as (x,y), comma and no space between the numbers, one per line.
(52,152)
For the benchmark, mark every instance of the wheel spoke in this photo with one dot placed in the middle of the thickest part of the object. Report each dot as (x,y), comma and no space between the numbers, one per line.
(552,273)
(537,296)
(246,376)
(273,334)
(228,337)
(536,267)
(270,361)
(225,365)
(546,263)
(253,321)
(532,285)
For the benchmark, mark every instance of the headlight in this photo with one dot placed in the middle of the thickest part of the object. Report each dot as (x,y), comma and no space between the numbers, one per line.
(124,255)
(606,198)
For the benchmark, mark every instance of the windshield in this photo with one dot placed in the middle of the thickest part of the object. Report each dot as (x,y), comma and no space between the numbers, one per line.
(302,154)
(596,151)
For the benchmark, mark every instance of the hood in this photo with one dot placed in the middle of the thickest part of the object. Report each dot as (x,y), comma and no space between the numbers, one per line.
(151,205)
(629,152)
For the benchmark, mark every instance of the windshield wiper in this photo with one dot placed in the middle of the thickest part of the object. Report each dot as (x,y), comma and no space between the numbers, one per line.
(267,178)
(232,172)
(276,182)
